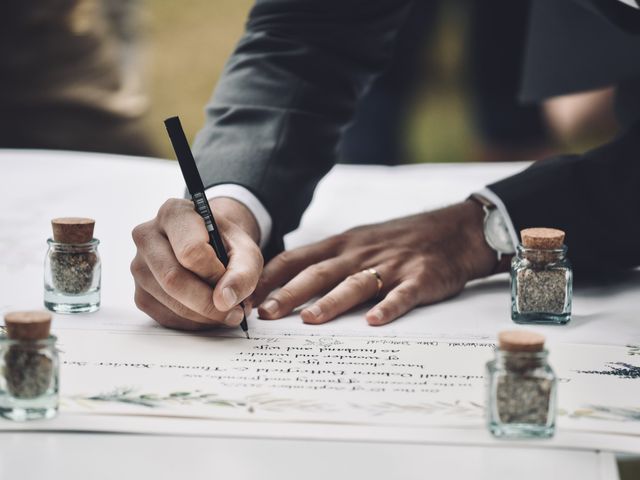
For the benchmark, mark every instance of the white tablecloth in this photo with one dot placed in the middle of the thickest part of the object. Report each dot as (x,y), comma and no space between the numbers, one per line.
(120,192)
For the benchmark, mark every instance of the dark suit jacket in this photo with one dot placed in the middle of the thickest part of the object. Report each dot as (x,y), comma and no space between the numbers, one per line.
(291,86)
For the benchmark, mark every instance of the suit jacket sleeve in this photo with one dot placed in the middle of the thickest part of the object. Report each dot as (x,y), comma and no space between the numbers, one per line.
(617,12)
(289,88)
(594,198)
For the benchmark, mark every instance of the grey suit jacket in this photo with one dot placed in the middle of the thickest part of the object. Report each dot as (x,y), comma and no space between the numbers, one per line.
(291,86)
(285,95)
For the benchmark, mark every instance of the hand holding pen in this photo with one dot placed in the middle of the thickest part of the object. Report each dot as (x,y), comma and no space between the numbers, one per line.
(200,201)
(179,281)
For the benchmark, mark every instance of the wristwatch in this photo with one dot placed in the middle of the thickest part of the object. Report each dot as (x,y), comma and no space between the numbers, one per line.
(496,231)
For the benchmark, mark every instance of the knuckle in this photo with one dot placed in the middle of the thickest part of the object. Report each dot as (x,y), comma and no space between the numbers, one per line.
(171,279)
(337,242)
(285,296)
(164,210)
(167,207)
(285,259)
(329,304)
(423,277)
(320,273)
(138,234)
(171,208)
(136,267)
(406,294)
(191,254)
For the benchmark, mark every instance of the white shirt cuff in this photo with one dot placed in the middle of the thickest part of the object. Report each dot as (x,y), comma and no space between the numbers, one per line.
(493,198)
(249,200)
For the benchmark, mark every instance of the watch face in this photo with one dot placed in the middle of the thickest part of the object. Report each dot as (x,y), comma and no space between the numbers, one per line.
(497,233)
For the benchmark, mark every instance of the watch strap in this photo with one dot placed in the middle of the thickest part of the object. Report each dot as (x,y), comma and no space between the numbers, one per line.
(503,260)
(485,203)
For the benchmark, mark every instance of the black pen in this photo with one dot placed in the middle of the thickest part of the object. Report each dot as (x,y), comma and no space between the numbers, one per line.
(196,189)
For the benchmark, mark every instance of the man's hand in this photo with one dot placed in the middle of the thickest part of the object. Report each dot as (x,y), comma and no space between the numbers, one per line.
(421,259)
(175,269)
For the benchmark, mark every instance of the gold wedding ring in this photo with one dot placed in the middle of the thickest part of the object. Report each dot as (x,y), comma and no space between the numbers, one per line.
(372,271)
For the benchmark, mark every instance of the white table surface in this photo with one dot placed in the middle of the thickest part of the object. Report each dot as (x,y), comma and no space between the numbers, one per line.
(94,456)
(121,192)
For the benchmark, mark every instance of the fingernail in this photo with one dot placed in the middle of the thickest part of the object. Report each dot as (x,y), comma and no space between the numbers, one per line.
(377,315)
(234,317)
(229,296)
(314,310)
(270,307)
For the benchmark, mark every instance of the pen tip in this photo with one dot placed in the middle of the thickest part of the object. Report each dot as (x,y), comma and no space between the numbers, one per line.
(247,334)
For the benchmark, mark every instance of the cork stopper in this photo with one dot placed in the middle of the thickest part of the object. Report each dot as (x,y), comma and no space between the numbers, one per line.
(73,229)
(520,341)
(34,325)
(542,238)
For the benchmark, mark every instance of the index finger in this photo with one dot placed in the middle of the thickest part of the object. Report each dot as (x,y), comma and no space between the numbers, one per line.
(189,239)
(179,283)
(282,268)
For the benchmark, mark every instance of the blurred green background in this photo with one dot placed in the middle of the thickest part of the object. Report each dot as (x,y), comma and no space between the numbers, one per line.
(188,44)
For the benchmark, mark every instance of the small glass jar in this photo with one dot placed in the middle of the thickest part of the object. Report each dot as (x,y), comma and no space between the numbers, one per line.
(29,377)
(72,277)
(541,286)
(521,395)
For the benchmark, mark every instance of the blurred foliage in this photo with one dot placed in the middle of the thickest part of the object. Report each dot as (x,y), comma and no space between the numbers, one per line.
(189,44)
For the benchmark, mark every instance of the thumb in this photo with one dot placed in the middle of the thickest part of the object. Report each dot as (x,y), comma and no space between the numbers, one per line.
(244,269)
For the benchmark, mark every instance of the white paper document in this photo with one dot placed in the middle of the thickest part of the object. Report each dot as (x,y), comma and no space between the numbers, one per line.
(364,381)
